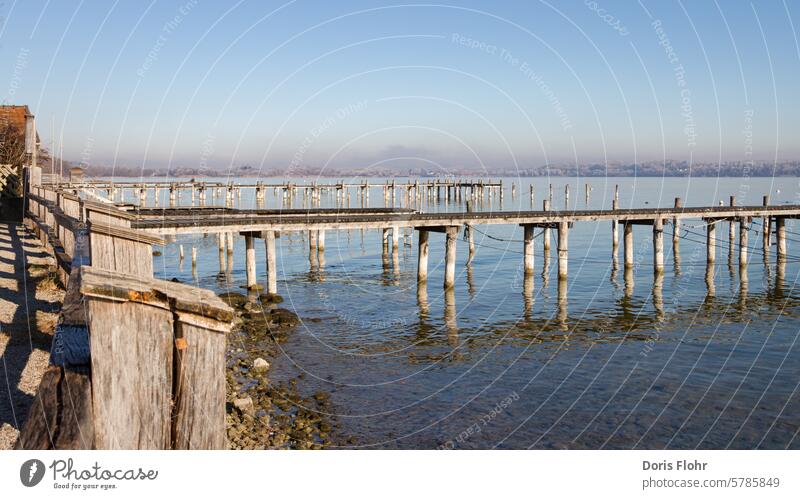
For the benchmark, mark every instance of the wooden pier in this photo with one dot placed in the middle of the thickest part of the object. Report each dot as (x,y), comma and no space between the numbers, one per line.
(105,254)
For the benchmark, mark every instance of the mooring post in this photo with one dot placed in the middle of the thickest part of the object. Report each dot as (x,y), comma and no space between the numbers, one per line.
(230,243)
(780,236)
(221,242)
(615,230)
(658,245)
(546,233)
(528,249)
(563,250)
(766,227)
(250,261)
(422,256)
(711,241)
(385,239)
(194,256)
(731,230)
(451,233)
(676,223)
(272,269)
(395,239)
(321,240)
(743,239)
(628,243)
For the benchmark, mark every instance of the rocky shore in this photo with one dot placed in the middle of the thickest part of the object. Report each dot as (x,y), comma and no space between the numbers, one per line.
(262,413)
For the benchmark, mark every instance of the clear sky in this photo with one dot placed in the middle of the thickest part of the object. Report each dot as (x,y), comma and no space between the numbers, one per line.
(358,83)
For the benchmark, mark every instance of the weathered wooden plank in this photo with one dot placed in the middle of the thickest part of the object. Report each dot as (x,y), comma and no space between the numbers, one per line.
(199,414)
(131,345)
(181,297)
(39,430)
(76,428)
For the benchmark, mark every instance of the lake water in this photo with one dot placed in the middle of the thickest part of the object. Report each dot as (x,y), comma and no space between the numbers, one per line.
(642,363)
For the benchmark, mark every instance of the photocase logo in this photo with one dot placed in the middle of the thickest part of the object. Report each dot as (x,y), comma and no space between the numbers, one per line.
(31,472)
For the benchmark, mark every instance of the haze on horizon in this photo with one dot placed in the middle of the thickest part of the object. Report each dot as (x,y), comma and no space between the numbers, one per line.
(360,83)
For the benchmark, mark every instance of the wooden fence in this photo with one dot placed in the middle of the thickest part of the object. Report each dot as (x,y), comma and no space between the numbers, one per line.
(136,362)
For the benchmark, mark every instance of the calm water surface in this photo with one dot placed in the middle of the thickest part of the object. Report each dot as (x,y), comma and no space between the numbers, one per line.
(635,362)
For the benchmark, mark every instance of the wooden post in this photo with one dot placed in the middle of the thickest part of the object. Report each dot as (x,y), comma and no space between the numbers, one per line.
(272,269)
(194,256)
(628,243)
(766,228)
(230,242)
(221,243)
(563,250)
(422,256)
(780,237)
(528,248)
(614,230)
(711,242)
(157,362)
(450,257)
(546,233)
(395,239)
(743,240)
(731,230)
(676,223)
(250,261)
(321,240)
(658,245)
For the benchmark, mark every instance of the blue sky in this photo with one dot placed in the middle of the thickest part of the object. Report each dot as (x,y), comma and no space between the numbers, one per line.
(195,82)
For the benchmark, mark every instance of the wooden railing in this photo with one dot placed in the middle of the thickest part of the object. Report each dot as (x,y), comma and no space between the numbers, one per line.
(136,362)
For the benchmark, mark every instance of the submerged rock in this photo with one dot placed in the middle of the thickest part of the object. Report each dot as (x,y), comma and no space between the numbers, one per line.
(270,298)
(235,300)
(283,317)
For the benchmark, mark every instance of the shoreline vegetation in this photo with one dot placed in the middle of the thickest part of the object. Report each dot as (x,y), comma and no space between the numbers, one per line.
(680,169)
(262,413)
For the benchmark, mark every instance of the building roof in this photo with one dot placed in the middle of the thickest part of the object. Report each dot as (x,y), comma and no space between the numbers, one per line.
(14,115)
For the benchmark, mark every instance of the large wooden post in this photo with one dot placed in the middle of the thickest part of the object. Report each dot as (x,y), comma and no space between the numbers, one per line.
(272,269)
(422,256)
(563,248)
(451,234)
(250,261)
(743,239)
(780,238)
(158,362)
(628,243)
(711,241)
(658,245)
(528,248)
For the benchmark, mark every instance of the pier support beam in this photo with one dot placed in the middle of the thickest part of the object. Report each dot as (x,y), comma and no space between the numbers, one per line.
(546,234)
(450,257)
(422,256)
(614,231)
(395,239)
(744,228)
(711,242)
(658,245)
(528,248)
(628,243)
(780,238)
(221,243)
(250,261)
(321,240)
(563,249)
(272,268)
(230,242)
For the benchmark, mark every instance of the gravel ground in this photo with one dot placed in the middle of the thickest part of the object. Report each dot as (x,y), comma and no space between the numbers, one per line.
(29,306)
